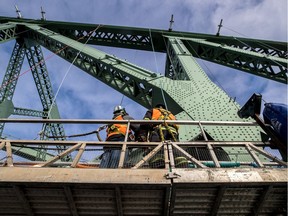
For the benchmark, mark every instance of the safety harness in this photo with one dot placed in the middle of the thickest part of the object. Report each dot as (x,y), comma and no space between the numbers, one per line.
(163,114)
(117,128)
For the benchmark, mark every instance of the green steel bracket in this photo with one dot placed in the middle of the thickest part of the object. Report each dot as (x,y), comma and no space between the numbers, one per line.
(6,108)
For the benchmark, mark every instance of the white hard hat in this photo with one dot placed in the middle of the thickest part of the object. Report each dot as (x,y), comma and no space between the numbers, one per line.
(118,109)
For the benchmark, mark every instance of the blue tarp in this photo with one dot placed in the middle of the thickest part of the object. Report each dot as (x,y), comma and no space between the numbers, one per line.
(275,114)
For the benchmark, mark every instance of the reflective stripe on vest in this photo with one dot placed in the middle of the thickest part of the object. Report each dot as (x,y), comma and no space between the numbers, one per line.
(117,128)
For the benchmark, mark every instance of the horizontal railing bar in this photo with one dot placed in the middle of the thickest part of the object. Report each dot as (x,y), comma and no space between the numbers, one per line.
(93,164)
(136,144)
(102,121)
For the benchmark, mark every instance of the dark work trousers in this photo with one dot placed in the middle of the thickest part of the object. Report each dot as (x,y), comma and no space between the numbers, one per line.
(111,157)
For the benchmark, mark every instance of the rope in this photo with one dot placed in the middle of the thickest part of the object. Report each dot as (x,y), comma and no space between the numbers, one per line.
(153,50)
(90,35)
(70,136)
(66,73)
(161,83)
(78,135)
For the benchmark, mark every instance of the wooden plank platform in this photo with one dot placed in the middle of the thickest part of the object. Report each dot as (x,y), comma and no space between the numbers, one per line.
(75,191)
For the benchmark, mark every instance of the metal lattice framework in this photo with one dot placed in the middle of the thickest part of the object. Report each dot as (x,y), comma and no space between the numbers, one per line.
(188,91)
(216,137)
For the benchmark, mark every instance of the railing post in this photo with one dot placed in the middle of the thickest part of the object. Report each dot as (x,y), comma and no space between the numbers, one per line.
(166,157)
(78,156)
(171,155)
(124,146)
(9,154)
(149,156)
(213,155)
(202,131)
(66,152)
(210,147)
(253,155)
(274,158)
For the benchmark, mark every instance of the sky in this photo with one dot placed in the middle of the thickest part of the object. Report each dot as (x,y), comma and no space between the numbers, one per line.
(82,96)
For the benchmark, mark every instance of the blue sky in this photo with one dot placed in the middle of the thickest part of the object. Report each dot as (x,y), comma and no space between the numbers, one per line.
(82,96)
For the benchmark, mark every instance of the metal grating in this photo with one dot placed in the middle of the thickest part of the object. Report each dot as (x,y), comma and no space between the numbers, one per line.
(48,191)
(9,203)
(56,199)
(226,200)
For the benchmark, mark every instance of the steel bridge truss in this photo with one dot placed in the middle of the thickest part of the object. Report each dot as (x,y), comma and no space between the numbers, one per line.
(185,86)
(40,74)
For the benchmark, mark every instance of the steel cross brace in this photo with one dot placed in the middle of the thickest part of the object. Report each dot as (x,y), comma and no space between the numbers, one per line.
(7,32)
(251,61)
(193,99)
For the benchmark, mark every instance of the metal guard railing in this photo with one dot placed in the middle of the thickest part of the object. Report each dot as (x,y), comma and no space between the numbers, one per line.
(140,155)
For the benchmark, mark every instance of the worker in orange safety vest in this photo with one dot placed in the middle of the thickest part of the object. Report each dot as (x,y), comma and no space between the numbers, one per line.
(117,132)
(159,132)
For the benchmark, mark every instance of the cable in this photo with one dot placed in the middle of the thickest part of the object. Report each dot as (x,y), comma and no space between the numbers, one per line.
(53,101)
(66,73)
(153,51)
(161,83)
(122,100)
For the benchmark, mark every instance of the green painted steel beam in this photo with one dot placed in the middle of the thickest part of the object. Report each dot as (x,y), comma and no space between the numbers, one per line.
(43,84)
(257,63)
(10,80)
(29,112)
(127,78)
(7,32)
(12,72)
(139,38)
(195,99)
(266,58)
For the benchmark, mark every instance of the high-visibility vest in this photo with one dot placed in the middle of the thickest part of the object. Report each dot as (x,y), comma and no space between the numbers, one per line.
(117,128)
(163,114)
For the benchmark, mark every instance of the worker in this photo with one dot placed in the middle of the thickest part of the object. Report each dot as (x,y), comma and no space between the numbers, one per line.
(159,132)
(117,132)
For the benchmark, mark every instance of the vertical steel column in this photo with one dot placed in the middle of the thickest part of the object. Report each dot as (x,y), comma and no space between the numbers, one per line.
(9,82)
(43,84)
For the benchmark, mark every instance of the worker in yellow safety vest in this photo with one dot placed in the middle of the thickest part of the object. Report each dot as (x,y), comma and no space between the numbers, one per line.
(117,132)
